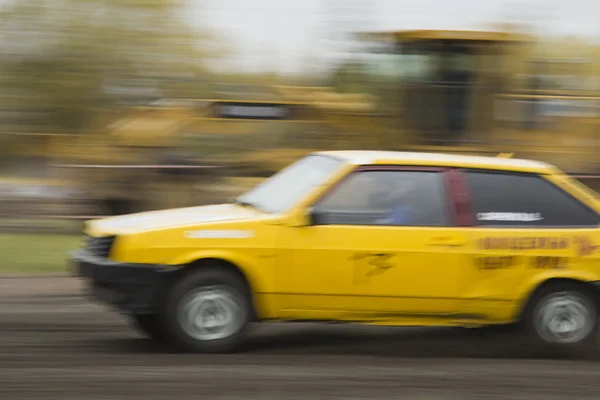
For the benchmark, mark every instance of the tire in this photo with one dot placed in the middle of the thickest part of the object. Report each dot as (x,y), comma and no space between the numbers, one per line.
(208,311)
(573,304)
(150,325)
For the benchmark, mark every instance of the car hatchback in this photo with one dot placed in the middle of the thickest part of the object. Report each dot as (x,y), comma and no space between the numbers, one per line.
(370,237)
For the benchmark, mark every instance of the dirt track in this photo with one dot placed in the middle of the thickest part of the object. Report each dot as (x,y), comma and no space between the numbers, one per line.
(57,345)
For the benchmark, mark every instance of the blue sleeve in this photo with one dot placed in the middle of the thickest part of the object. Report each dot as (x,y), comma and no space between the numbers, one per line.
(399,215)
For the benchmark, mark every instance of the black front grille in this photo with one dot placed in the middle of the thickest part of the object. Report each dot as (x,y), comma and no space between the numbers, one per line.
(99,246)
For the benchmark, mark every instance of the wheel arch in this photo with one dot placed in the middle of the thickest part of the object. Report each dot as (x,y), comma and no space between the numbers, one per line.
(587,286)
(224,263)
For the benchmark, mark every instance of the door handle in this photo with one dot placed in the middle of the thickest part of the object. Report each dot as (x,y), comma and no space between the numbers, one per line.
(446,241)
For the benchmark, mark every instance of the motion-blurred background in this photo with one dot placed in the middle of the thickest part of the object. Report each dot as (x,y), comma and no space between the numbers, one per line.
(117,106)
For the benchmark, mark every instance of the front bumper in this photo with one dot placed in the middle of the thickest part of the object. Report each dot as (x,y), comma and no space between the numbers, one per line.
(133,288)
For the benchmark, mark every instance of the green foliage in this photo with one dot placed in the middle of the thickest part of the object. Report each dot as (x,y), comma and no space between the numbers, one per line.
(50,253)
(64,59)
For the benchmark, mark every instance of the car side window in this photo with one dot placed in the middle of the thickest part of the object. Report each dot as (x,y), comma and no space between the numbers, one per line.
(525,200)
(386,197)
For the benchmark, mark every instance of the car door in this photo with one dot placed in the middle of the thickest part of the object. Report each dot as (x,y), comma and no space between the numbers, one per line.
(383,242)
(524,225)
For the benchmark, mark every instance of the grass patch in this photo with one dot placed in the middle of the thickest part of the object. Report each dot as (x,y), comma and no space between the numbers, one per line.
(42,225)
(35,253)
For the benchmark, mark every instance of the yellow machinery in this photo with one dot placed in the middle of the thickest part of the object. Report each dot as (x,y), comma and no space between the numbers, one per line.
(470,92)
(125,167)
(180,153)
(464,92)
(172,154)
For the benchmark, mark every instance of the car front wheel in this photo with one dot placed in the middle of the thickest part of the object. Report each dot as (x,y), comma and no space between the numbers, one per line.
(563,316)
(208,311)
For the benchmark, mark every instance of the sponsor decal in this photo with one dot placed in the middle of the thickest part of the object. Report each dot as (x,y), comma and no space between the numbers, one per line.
(369,264)
(509,216)
(507,262)
(219,234)
(549,263)
(582,245)
(585,246)
(495,263)
(524,243)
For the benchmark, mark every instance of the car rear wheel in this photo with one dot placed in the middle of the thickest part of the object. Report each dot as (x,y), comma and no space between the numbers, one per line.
(150,325)
(208,311)
(562,317)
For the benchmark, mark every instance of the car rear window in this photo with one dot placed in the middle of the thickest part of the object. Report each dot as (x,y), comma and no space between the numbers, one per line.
(525,200)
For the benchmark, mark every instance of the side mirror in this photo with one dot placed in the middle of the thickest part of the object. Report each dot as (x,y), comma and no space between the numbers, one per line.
(316,216)
(307,217)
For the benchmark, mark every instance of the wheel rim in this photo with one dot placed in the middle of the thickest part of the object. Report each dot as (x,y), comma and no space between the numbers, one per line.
(211,313)
(564,317)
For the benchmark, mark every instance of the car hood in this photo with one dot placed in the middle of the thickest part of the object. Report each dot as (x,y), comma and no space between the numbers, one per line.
(170,218)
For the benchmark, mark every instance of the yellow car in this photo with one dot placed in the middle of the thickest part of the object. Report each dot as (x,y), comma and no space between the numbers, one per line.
(368,237)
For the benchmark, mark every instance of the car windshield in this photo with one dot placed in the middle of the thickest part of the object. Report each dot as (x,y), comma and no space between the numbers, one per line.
(290,185)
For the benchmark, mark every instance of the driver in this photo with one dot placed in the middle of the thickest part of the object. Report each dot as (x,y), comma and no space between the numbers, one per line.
(403,212)
(397,199)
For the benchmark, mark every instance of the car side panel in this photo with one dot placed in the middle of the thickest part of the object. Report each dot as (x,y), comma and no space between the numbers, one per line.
(508,264)
(253,252)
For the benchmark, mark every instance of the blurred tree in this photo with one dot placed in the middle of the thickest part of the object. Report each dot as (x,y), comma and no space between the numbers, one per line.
(344,52)
(64,60)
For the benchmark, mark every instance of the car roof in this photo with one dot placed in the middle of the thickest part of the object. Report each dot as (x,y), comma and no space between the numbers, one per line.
(374,157)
